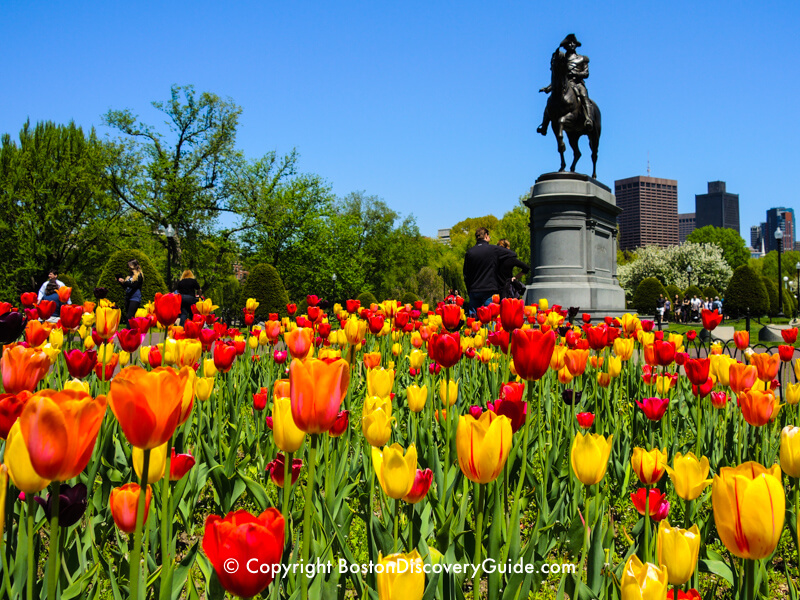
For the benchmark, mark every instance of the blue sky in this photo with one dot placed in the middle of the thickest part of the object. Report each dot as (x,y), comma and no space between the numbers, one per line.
(433,106)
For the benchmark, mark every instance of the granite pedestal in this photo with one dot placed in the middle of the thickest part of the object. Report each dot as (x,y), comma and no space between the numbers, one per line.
(574,244)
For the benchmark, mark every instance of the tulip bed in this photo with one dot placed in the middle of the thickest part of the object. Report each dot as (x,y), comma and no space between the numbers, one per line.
(392,443)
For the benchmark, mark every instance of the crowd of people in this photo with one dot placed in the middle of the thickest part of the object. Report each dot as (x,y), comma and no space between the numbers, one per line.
(687,310)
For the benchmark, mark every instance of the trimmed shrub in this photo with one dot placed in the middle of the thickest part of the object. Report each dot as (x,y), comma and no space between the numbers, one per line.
(408,298)
(644,300)
(710,292)
(302,307)
(746,291)
(772,292)
(673,290)
(367,298)
(76,296)
(693,291)
(118,265)
(265,285)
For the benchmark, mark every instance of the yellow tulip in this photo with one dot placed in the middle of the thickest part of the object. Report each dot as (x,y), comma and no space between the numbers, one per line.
(124,358)
(52,353)
(395,472)
(790,451)
(204,387)
(643,581)
(630,325)
(355,329)
(77,385)
(288,437)
(105,352)
(209,368)
(87,320)
(56,338)
(189,352)
(205,307)
(720,368)
(252,341)
(589,457)
(646,337)
(749,505)
(3,492)
(252,304)
(448,395)
(401,577)
(483,445)
(543,304)
(417,397)
(663,384)
(557,361)
(396,348)
(18,461)
(792,393)
(140,312)
(565,376)
(649,465)
(689,475)
(380,382)
(416,339)
(797,369)
(376,424)
(107,321)
(417,359)
(144,354)
(479,341)
(157,466)
(614,366)
(676,338)
(88,343)
(677,549)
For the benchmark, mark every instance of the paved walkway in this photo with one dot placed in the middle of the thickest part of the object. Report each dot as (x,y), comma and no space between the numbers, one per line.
(723,333)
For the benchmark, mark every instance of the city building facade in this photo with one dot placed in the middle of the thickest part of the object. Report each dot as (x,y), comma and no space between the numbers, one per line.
(686,223)
(717,207)
(649,212)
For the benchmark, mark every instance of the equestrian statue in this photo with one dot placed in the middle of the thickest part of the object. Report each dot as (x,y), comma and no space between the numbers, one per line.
(569,108)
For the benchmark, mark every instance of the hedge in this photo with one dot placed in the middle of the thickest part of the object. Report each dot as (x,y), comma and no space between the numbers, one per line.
(366,299)
(710,292)
(265,285)
(647,294)
(76,296)
(746,291)
(693,291)
(118,265)
(409,298)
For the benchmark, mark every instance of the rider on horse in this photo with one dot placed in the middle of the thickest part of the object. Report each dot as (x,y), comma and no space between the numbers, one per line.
(577,71)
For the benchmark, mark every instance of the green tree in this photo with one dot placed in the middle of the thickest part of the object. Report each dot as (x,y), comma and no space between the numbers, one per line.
(515,226)
(730,242)
(174,177)
(56,210)
(746,292)
(647,293)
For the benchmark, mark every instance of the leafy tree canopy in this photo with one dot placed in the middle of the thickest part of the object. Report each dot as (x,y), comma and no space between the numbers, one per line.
(729,241)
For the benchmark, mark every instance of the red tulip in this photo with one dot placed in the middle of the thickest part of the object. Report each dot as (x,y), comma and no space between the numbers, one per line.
(711,318)
(654,408)
(375,324)
(445,349)
(140,323)
(597,336)
(280,356)
(532,351)
(786,352)
(340,424)
(80,364)
(243,539)
(742,339)
(585,420)
(692,594)
(500,339)
(719,399)
(691,335)
(419,489)
(46,308)
(111,366)
(704,389)
(36,333)
(168,308)
(664,352)
(154,356)
(179,465)
(276,469)
(659,507)
(511,313)
(512,391)
(71,315)
(11,406)
(312,300)
(647,325)
(586,317)
(515,410)
(484,314)
(224,355)
(681,358)
(28,299)
(129,339)
(260,399)
(697,370)
(789,335)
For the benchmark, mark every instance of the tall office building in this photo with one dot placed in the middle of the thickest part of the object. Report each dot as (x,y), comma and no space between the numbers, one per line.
(756,237)
(649,212)
(685,225)
(785,218)
(718,207)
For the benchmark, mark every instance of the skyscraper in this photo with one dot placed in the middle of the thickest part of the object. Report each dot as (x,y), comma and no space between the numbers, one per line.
(756,238)
(718,207)
(649,212)
(785,218)
(686,223)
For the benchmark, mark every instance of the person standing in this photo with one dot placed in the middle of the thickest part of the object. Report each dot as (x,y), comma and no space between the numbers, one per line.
(189,290)
(52,277)
(481,269)
(133,288)
(509,286)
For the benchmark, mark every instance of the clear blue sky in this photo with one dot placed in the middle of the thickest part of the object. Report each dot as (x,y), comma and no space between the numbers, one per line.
(433,106)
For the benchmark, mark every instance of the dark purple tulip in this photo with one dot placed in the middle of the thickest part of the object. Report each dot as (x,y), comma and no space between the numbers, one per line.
(12,324)
(100,293)
(571,397)
(71,504)
(573,312)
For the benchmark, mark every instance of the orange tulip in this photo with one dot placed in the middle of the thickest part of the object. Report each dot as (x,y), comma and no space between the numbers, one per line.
(741,339)
(758,408)
(317,389)
(766,365)
(148,405)
(60,430)
(124,502)
(23,368)
(281,388)
(36,333)
(575,360)
(298,341)
(64,293)
(372,359)
(741,377)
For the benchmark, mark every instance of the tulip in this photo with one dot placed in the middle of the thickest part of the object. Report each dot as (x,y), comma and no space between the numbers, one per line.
(341,424)
(317,389)
(445,349)
(657,508)
(448,394)
(643,581)
(664,383)
(60,430)
(653,408)
(18,461)
(649,465)
(45,309)
(614,366)
(571,397)
(224,355)
(107,321)
(380,382)
(703,390)
(511,313)
(276,470)
(12,324)
(711,318)
(71,315)
(589,457)
(790,451)
(179,465)
(395,471)
(789,335)
(766,365)
(792,393)
(532,351)
(697,370)
(483,445)
(157,465)
(11,406)
(299,342)
(376,424)
(129,339)
(741,377)
(124,502)
(401,576)
(111,366)
(167,308)
(154,358)
(678,550)
(741,339)
(416,397)
(204,386)
(515,409)
(71,506)
(623,348)
(785,352)
(689,475)
(420,487)
(585,420)
(558,360)
(749,508)
(149,405)
(22,368)
(451,316)
(719,399)
(287,435)
(575,361)
(758,408)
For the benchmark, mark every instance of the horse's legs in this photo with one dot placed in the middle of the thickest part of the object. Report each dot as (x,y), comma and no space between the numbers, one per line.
(594,142)
(576,152)
(558,130)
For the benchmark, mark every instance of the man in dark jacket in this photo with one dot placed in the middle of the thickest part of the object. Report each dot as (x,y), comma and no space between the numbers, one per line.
(481,274)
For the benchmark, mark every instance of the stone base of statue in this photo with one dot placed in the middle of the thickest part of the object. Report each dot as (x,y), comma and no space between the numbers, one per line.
(574,244)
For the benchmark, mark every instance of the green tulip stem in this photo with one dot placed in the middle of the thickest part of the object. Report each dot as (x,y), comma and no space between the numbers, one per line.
(31,560)
(54,559)
(647,525)
(448,412)
(749,579)
(797,512)
(699,450)
(137,533)
(396,522)
(287,491)
(312,460)
(165,592)
(479,508)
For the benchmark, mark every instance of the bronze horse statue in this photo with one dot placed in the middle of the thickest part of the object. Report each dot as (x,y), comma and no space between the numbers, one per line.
(565,114)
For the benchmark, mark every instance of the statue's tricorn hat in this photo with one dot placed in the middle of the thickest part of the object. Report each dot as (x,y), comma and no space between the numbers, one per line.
(570,38)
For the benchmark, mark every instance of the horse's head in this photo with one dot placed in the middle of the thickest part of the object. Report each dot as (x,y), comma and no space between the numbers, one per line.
(558,70)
